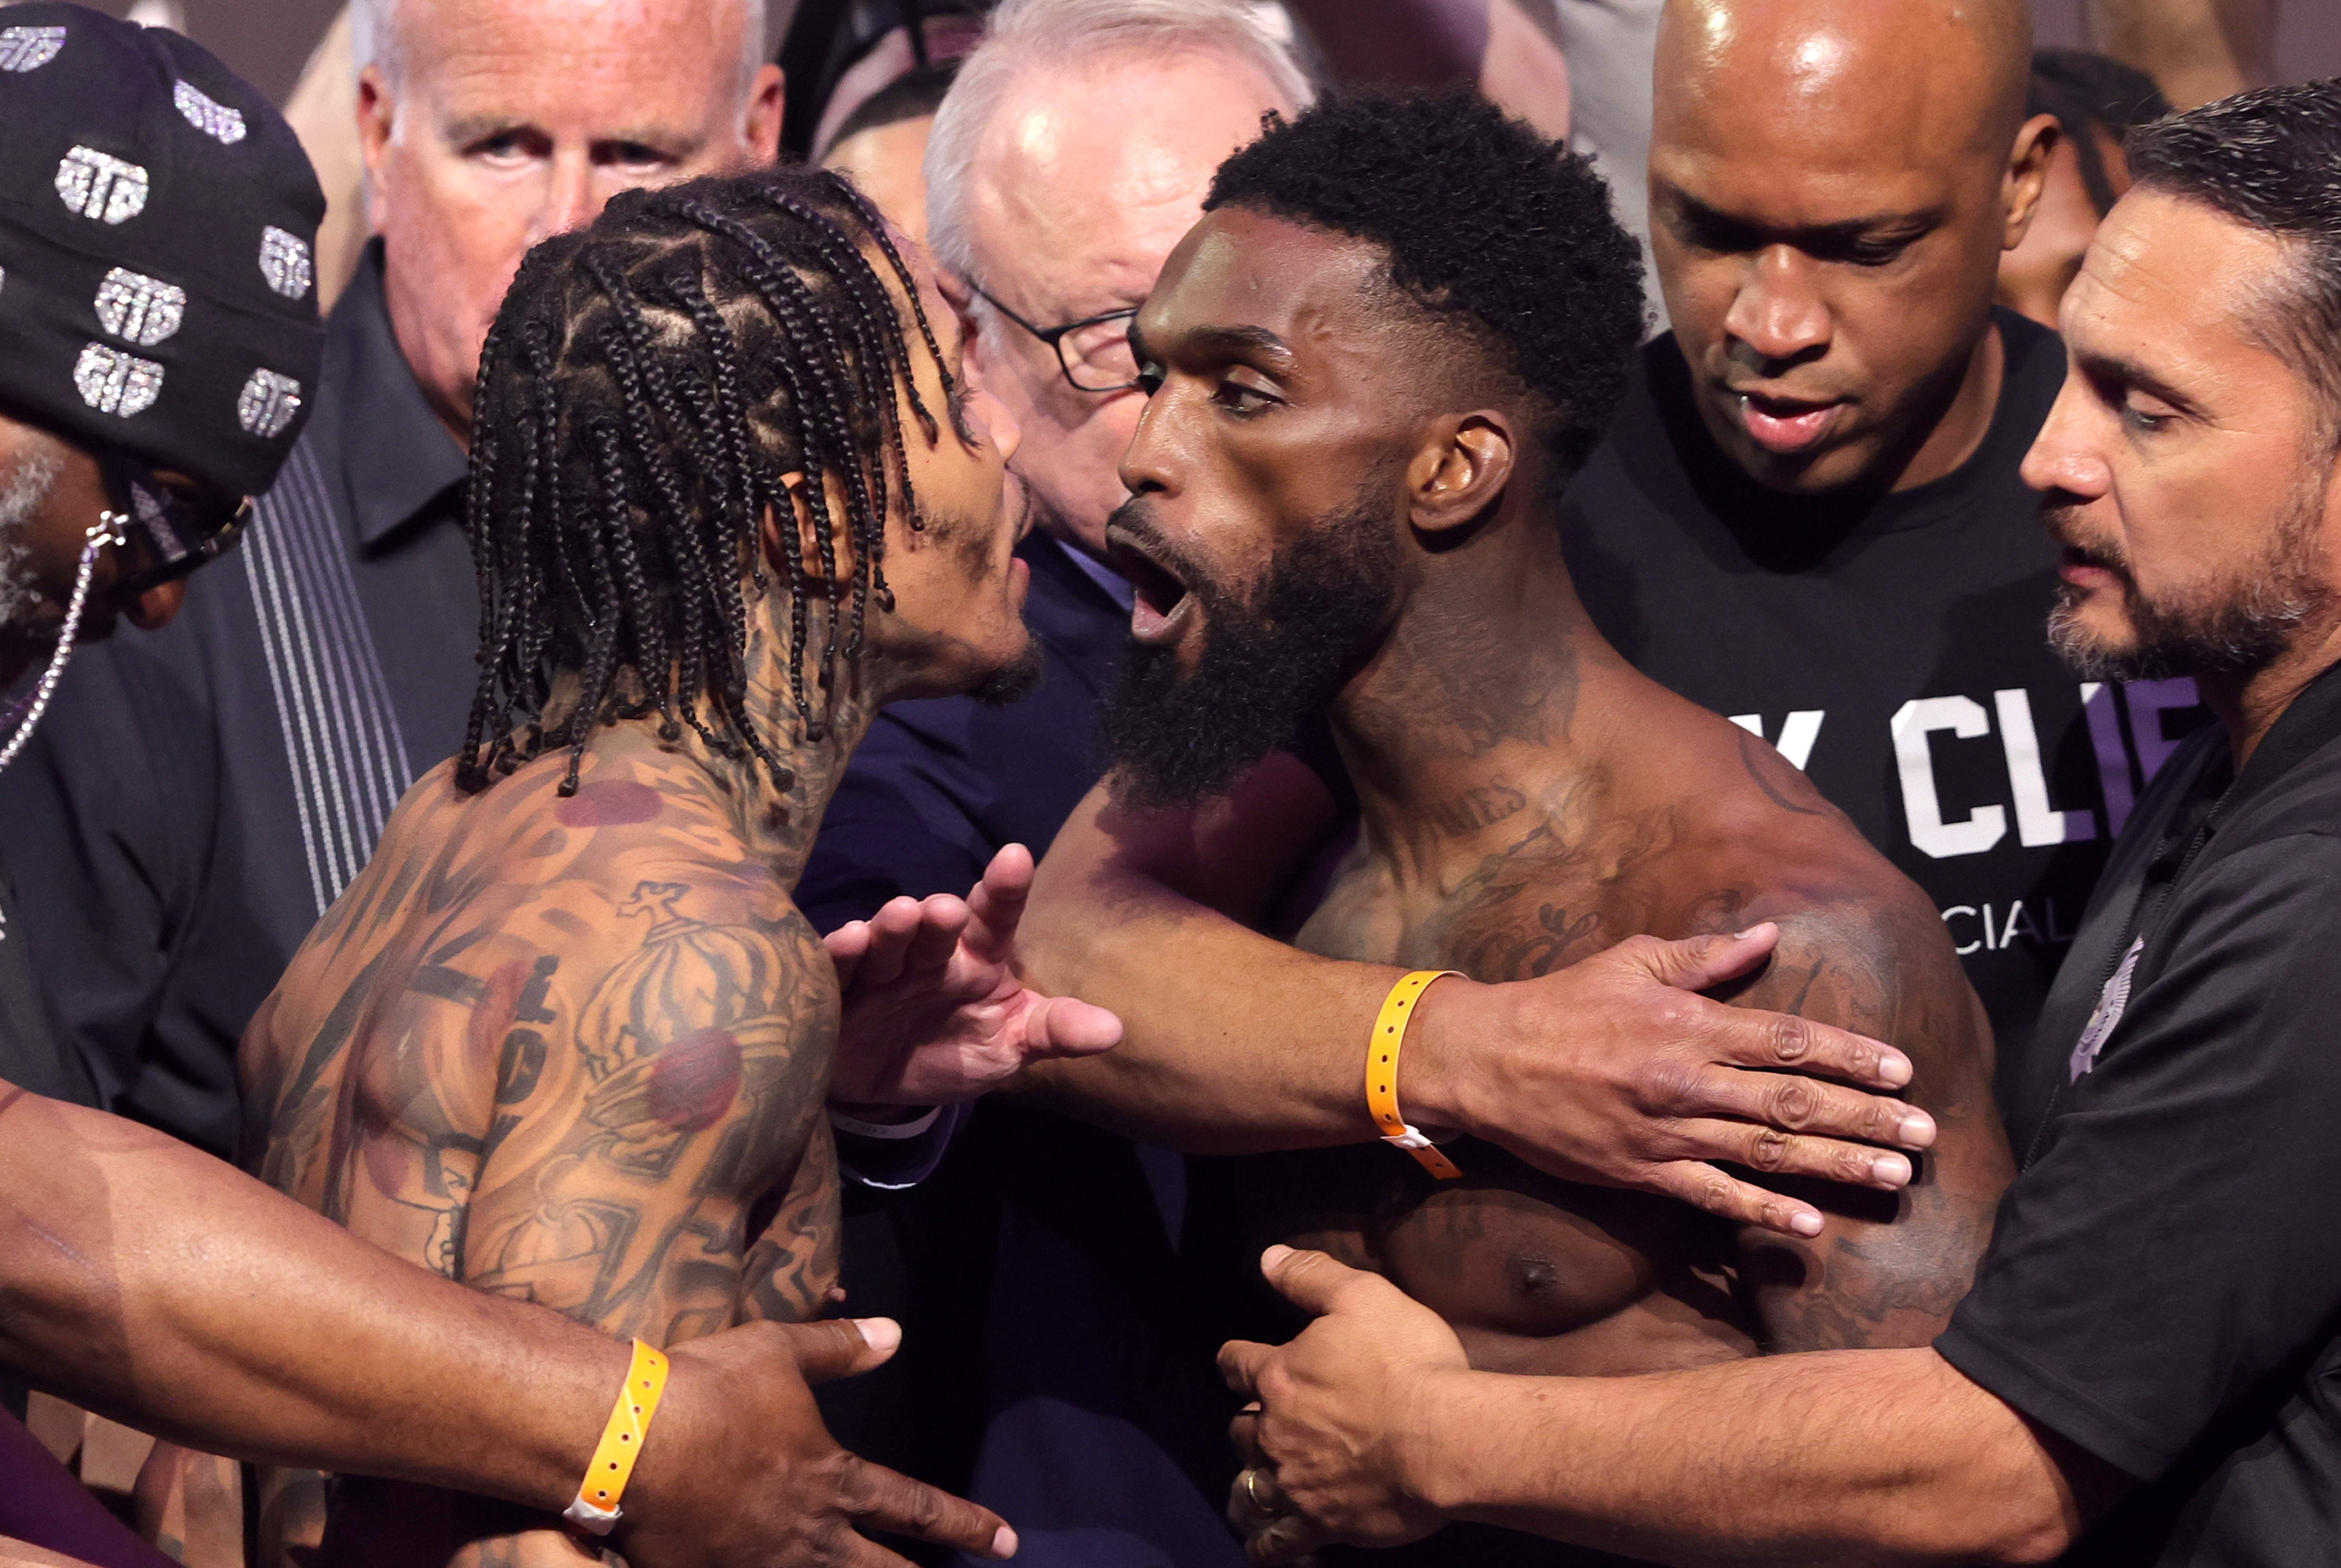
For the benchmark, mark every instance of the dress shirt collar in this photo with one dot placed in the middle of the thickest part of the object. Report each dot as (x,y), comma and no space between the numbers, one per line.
(400,460)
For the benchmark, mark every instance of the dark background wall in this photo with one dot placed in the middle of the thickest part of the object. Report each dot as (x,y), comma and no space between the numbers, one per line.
(268,41)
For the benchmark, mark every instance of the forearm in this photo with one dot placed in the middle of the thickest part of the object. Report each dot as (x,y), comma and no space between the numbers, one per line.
(1866,1456)
(154,1283)
(1233,1042)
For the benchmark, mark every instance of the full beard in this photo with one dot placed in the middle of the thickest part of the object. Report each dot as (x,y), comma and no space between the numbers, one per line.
(1176,741)
(2238,632)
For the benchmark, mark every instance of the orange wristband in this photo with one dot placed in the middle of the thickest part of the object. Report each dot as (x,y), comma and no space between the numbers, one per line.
(596,1508)
(1381,1074)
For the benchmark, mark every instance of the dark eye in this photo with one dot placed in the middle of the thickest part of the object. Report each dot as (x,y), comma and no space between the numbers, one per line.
(1149,377)
(512,146)
(1237,398)
(635,154)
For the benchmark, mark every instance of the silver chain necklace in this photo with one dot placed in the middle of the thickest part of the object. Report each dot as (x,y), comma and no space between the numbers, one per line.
(111,528)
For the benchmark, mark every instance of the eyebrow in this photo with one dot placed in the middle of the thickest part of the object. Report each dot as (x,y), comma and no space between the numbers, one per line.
(676,143)
(2129,372)
(1843,230)
(1222,340)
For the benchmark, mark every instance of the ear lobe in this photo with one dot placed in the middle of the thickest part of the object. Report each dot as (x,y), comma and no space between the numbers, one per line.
(1460,473)
(2027,174)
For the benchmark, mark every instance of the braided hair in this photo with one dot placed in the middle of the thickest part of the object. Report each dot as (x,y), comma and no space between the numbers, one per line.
(646,386)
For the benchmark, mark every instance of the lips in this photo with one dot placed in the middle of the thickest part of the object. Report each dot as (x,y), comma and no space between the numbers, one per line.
(1786,426)
(1160,607)
(2084,568)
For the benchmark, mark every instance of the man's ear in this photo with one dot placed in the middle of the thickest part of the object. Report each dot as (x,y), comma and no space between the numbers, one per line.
(1459,470)
(376,113)
(768,99)
(2027,174)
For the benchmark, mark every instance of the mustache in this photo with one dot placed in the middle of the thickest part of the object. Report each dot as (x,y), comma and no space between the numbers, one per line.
(1134,521)
(2062,519)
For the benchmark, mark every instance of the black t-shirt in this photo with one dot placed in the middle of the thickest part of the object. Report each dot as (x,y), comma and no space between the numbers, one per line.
(1894,648)
(2164,1281)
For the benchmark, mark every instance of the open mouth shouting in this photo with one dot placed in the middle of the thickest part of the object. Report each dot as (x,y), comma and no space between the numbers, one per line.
(1163,602)
(1786,426)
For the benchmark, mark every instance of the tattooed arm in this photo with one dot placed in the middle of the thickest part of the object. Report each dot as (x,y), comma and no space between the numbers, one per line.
(1886,1268)
(1608,1070)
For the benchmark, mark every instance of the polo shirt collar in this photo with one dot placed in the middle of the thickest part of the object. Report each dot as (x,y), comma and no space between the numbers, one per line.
(400,460)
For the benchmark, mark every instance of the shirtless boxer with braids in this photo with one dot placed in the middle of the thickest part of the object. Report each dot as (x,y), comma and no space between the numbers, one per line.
(567,1039)
(1373,366)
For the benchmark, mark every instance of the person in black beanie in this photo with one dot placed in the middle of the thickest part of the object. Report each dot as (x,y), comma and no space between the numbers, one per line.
(158,343)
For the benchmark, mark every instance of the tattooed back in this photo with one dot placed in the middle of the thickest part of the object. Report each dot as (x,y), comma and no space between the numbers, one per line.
(572,1050)
(569,1050)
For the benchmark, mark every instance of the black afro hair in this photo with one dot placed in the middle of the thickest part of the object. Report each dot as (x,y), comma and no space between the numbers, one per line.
(1485,220)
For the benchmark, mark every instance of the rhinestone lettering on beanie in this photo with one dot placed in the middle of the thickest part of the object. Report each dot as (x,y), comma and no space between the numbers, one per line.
(102,187)
(25,49)
(267,403)
(114,382)
(140,309)
(285,261)
(207,114)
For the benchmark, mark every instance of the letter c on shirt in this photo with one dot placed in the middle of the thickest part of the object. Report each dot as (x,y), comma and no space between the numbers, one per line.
(1913,723)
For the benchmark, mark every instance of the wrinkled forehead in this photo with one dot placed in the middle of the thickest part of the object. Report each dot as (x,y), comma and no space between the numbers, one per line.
(1322,295)
(2181,290)
(648,57)
(1090,178)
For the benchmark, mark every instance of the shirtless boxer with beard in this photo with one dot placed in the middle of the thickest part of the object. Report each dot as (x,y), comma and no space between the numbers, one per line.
(1373,367)
(566,1038)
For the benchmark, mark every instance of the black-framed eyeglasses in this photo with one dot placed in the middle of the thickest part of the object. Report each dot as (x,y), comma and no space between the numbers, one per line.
(171,531)
(1094,353)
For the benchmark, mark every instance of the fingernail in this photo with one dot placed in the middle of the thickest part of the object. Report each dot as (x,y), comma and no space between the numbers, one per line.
(1917,1129)
(1893,1067)
(1806,1224)
(1273,1259)
(1758,929)
(879,1333)
(1890,1170)
(1003,1541)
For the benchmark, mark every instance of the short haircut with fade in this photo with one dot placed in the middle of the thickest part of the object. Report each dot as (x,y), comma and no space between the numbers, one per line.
(1488,226)
(1053,36)
(2271,160)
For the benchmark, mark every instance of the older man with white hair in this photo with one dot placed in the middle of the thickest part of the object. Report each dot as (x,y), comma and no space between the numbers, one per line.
(1063,1372)
(201,798)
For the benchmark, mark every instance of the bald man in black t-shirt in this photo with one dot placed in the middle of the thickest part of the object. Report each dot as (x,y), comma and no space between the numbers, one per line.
(1808,517)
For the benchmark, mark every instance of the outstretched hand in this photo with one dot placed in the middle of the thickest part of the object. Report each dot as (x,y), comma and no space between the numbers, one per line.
(738,1470)
(1614,1070)
(1324,1439)
(934,1013)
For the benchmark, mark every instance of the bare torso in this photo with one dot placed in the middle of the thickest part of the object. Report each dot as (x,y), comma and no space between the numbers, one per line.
(573,1051)
(1695,828)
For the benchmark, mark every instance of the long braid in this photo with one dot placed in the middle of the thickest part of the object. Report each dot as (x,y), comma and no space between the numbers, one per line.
(645,386)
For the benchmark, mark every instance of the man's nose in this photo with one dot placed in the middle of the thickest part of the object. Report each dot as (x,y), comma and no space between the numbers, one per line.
(1145,469)
(1778,312)
(2062,458)
(997,422)
(570,199)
